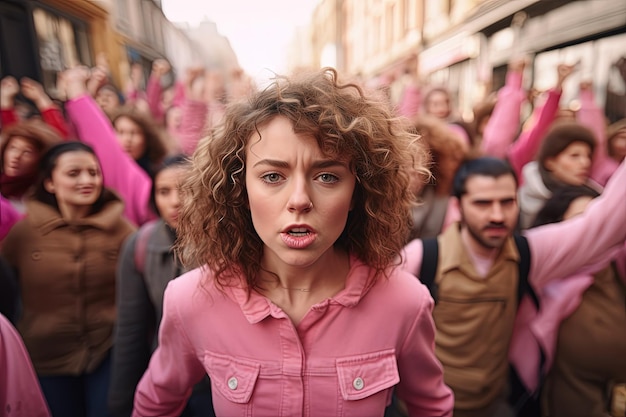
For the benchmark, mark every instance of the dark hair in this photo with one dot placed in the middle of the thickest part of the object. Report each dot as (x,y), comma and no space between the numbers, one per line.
(555,207)
(48,164)
(560,136)
(179,160)
(486,166)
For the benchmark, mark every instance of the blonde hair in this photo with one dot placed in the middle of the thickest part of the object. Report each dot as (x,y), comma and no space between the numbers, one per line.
(215,227)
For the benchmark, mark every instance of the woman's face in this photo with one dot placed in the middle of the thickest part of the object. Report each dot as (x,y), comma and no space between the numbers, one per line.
(107,100)
(20,157)
(167,193)
(131,137)
(299,199)
(438,105)
(76,180)
(572,165)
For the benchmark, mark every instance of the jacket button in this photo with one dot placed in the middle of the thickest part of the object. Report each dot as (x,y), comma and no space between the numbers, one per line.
(358,383)
(232,383)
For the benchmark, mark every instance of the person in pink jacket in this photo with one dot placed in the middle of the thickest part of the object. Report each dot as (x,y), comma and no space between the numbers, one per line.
(477,276)
(121,173)
(20,394)
(294,214)
(579,327)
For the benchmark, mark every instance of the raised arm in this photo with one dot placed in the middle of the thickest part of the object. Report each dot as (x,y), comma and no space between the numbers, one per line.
(527,145)
(50,113)
(504,122)
(568,247)
(154,91)
(9,88)
(121,173)
(591,116)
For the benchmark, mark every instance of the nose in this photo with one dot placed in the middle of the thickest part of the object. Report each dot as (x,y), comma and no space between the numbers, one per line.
(300,197)
(497,215)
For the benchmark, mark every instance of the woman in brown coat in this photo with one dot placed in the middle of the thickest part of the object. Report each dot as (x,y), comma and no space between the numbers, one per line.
(64,253)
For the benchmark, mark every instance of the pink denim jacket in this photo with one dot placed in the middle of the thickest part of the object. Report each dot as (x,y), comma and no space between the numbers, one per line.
(20,394)
(343,359)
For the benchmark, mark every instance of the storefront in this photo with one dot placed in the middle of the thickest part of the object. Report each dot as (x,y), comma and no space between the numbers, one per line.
(39,39)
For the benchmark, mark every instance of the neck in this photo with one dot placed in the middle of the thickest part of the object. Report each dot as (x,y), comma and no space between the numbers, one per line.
(71,212)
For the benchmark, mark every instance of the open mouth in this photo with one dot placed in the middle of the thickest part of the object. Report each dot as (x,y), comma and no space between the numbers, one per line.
(298,232)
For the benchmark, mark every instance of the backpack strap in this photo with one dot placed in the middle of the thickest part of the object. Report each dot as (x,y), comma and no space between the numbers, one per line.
(430,260)
(141,245)
(523,286)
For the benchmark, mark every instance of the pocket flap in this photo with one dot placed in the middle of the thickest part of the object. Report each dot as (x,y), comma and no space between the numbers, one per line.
(234,378)
(364,375)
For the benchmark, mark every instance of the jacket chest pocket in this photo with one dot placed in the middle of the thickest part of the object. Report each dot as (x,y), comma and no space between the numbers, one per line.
(365,382)
(233,381)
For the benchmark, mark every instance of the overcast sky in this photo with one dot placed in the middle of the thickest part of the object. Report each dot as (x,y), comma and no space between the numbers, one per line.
(259,30)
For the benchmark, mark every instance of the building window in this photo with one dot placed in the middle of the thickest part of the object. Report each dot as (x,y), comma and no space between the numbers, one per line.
(63,43)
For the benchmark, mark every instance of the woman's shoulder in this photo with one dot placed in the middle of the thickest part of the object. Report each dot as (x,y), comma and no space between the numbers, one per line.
(403,291)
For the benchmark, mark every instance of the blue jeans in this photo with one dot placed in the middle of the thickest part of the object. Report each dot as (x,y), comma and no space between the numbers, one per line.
(79,396)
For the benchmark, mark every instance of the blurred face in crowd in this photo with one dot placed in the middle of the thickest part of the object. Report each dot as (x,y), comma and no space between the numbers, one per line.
(167,193)
(108,100)
(20,157)
(617,145)
(489,209)
(131,137)
(76,181)
(173,118)
(438,104)
(299,199)
(572,165)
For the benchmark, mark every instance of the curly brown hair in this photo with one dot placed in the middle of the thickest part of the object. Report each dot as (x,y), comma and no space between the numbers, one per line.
(215,227)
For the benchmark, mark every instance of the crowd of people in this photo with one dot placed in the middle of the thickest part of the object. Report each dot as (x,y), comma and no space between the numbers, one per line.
(203,247)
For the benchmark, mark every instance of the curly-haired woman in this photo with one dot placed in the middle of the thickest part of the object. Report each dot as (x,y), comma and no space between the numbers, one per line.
(295,212)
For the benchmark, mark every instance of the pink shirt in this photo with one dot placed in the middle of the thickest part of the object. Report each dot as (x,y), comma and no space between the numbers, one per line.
(20,394)
(343,359)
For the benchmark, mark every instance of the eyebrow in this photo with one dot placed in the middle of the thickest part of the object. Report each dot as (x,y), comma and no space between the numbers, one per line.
(326,163)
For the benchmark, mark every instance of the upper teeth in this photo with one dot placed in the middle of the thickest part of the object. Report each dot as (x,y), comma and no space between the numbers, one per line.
(299,230)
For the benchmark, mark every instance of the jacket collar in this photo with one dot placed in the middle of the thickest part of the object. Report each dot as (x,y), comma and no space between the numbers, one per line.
(257,307)
(455,255)
(47,218)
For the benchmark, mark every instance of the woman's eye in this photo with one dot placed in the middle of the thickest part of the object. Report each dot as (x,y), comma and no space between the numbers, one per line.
(271,178)
(328,178)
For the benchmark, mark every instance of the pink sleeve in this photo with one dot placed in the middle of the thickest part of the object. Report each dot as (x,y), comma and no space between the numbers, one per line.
(527,145)
(192,125)
(504,122)
(566,248)
(591,116)
(410,103)
(412,256)
(421,386)
(20,394)
(153,95)
(121,173)
(8,217)
(173,369)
